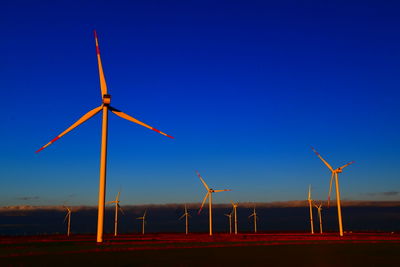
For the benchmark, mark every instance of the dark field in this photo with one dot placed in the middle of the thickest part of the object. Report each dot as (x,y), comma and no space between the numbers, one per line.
(294,249)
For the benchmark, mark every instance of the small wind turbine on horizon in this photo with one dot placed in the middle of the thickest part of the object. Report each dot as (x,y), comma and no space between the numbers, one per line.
(335,175)
(117,207)
(310,205)
(187,215)
(105,107)
(210,191)
(235,205)
(230,221)
(254,215)
(319,208)
(143,218)
(68,216)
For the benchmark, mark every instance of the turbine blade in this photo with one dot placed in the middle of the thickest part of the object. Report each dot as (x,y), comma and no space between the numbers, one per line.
(103,85)
(204,200)
(132,119)
(201,179)
(309,192)
(222,190)
(330,189)
(324,161)
(117,197)
(122,211)
(110,202)
(344,166)
(144,215)
(182,216)
(73,126)
(66,216)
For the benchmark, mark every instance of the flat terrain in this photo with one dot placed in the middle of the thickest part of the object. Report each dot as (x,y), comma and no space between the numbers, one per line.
(354,249)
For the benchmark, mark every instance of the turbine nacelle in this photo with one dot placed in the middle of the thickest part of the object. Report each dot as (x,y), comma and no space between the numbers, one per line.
(106,99)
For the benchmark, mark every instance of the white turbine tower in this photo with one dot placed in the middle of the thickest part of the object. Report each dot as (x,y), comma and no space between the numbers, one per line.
(319,208)
(235,205)
(230,221)
(210,191)
(310,205)
(68,217)
(335,175)
(187,215)
(143,218)
(117,208)
(255,217)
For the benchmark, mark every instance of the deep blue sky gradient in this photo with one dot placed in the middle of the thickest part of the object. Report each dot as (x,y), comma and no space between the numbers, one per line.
(244,86)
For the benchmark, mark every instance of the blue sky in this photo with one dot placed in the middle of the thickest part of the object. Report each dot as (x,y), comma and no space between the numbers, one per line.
(245,87)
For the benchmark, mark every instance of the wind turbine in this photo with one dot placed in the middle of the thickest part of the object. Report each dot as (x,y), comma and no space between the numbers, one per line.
(230,222)
(186,214)
(319,208)
(143,218)
(105,107)
(117,207)
(210,191)
(254,214)
(235,205)
(335,176)
(310,204)
(68,216)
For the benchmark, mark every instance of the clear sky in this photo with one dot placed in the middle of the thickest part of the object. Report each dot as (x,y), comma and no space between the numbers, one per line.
(245,87)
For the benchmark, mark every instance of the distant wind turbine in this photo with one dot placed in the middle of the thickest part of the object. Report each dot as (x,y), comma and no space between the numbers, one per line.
(335,176)
(105,107)
(235,205)
(117,207)
(255,217)
(186,214)
(230,221)
(310,205)
(319,208)
(210,191)
(143,218)
(68,216)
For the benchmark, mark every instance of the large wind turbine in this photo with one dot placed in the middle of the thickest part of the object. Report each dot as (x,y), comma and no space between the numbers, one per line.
(335,176)
(319,208)
(117,207)
(230,221)
(143,218)
(235,205)
(310,205)
(210,191)
(186,214)
(254,214)
(68,216)
(105,107)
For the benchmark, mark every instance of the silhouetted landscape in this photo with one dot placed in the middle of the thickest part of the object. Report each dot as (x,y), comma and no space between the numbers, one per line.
(278,217)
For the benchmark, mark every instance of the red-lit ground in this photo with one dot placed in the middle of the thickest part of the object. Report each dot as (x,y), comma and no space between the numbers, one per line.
(371,248)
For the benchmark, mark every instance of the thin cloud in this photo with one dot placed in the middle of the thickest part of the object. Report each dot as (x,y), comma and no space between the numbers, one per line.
(28,198)
(195,206)
(385,194)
